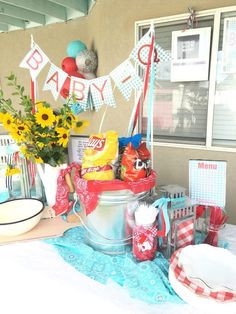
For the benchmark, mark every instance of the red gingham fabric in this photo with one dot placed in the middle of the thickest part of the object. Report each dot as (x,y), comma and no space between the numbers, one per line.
(142,234)
(185,233)
(202,290)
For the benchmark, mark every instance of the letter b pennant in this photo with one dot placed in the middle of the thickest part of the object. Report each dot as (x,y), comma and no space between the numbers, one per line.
(34,61)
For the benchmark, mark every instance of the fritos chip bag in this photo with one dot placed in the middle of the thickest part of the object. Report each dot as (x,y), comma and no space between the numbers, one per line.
(135,164)
(99,156)
(135,140)
(145,156)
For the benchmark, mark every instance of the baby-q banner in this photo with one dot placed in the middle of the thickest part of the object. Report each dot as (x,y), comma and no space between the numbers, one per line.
(98,90)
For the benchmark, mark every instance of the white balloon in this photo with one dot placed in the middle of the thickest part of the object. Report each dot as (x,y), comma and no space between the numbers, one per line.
(86,61)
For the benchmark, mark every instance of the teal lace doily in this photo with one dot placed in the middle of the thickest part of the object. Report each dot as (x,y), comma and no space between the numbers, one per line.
(146,281)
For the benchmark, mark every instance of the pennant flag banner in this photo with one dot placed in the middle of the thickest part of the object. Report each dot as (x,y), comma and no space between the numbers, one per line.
(101,91)
(140,52)
(55,80)
(126,79)
(94,93)
(162,54)
(80,88)
(34,61)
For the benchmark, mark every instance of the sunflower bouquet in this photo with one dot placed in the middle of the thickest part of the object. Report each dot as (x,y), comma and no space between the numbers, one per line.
(41,132)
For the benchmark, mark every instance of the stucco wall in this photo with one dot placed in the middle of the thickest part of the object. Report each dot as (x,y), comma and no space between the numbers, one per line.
(109,29)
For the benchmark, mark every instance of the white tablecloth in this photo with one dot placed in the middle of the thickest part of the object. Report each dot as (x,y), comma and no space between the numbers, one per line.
(35,279)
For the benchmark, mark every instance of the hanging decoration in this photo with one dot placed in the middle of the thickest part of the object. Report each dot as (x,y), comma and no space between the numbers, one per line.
(77,75)
(80,89)
(126,79)
(101,92)
(55,80)
(35,60)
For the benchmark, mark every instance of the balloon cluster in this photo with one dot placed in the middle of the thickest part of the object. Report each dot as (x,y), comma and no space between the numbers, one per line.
(80,62)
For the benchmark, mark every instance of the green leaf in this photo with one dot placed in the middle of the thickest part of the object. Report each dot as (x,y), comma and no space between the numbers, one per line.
(11,77)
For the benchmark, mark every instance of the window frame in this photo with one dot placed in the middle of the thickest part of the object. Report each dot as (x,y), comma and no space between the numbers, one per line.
(216,13)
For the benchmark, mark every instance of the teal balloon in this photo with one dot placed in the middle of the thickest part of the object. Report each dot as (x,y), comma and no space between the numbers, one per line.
(74,48)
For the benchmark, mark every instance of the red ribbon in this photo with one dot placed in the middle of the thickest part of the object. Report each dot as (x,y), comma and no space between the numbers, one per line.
(145,83)
(33,95)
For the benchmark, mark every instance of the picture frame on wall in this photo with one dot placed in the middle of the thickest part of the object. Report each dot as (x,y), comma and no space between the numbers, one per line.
(229,46)
(76,147)
(190,54)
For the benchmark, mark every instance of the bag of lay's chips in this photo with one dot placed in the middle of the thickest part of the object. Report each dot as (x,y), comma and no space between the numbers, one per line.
(99,156)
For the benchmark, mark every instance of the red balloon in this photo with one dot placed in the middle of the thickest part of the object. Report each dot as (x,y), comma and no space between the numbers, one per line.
(66,86)
(69,65)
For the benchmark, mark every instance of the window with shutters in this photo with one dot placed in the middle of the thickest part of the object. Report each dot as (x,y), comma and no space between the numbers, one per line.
(199,114)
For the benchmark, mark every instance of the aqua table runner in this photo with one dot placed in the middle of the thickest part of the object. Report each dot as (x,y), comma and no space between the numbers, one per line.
(146,281)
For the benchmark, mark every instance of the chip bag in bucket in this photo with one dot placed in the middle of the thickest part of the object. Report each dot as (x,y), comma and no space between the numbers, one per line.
(99,156)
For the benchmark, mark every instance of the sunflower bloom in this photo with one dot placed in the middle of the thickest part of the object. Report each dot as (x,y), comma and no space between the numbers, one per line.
(80,126)
(22,128)
(25,152)
(41,135)
(59,120)
(10,171)
(69,121)
(63,136)
(8,121)
(45,117)
(38,159)
(41,145)
(39,105)
(17,135)
(1,116)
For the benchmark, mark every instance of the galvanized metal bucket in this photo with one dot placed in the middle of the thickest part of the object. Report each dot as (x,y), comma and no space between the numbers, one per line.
(109,226)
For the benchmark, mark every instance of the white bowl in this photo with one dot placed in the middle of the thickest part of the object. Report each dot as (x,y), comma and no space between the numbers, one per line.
(19,216)
(213,268)
(208,265)
(202,304)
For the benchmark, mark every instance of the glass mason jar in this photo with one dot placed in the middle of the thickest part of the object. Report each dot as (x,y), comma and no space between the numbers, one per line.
(144,242)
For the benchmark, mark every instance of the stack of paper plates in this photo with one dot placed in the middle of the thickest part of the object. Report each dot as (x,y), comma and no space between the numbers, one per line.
(213,269)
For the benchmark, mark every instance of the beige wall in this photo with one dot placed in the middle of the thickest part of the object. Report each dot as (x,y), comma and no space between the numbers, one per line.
(109,29)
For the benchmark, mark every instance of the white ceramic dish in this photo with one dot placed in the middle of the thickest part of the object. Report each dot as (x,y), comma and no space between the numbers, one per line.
(19,216)
(202,304)
(211,266)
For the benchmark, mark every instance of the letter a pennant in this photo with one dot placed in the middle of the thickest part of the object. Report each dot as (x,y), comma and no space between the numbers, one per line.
(102,93)
(126,79)
(35,60)
(55,80)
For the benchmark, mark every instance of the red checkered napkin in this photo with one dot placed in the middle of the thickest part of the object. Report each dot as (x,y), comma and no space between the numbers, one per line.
(201,290)
(185,232)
